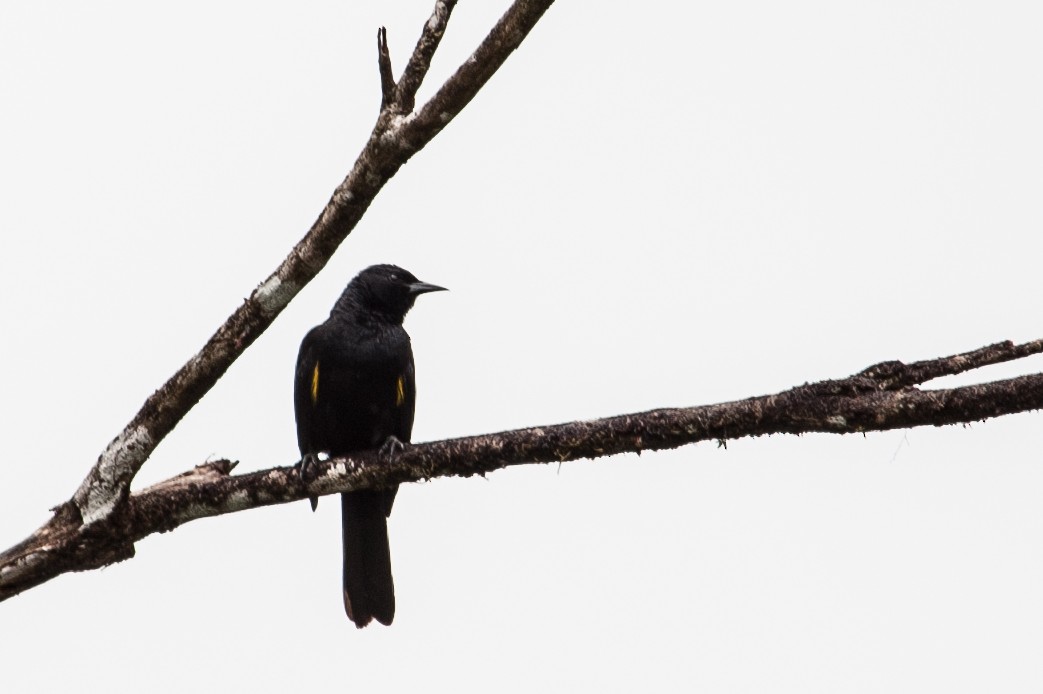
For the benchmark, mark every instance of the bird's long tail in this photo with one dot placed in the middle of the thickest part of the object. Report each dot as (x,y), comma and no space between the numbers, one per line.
(369,590)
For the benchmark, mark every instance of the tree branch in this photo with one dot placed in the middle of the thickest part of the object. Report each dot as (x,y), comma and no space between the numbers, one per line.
(107,485)
(459,89)
(387,76)
(420,62)
(879,398)
(894,374)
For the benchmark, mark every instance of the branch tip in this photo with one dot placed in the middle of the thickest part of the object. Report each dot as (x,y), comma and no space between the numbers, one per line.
(387,78)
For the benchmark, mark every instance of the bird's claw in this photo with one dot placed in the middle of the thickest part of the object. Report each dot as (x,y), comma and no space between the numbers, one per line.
(308,467)
(308,470)
(391,446)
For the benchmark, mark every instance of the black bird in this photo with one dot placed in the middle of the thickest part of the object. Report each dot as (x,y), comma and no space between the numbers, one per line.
(354,390)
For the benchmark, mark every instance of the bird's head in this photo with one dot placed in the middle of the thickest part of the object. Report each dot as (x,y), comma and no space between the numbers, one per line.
(385,289)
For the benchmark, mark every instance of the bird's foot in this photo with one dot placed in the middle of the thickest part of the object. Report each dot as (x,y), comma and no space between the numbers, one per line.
(390,447)
(308,469)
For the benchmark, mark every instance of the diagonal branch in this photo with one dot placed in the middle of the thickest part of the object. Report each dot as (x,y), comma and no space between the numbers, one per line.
(420,62)
(457,92)
(867,401)
(107,484)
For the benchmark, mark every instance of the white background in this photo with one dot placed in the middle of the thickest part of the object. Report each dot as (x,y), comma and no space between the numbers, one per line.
(651,204)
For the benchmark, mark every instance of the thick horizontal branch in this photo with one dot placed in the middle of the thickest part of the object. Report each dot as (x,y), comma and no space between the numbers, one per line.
(390,146)
(879,398)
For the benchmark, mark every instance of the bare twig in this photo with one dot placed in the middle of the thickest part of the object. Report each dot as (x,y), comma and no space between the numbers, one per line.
(458,90)
(868,401)
(420,62)
(895,374)
(387,77)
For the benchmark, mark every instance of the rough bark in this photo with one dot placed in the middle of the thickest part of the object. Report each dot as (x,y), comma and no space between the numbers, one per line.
(881,397)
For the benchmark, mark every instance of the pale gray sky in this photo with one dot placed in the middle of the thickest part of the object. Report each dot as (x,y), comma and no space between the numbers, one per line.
(651,204)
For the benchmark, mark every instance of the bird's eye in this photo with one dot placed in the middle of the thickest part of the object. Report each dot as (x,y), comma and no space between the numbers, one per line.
(393,277)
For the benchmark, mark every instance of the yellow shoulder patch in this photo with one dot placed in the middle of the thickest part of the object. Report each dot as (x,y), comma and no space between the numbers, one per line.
(400,391)
(315,384)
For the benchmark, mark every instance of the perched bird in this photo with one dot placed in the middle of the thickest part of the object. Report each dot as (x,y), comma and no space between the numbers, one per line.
(354,389)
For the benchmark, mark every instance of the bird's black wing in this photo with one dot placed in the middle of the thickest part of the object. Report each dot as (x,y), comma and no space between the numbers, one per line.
(405,406)
(305,391)
(404,414)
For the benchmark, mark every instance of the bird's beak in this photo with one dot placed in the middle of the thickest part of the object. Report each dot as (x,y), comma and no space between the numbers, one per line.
(423,288)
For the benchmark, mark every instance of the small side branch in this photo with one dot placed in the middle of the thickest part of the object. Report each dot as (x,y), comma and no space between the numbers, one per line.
(387,77)
(871,400)
(896,375)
